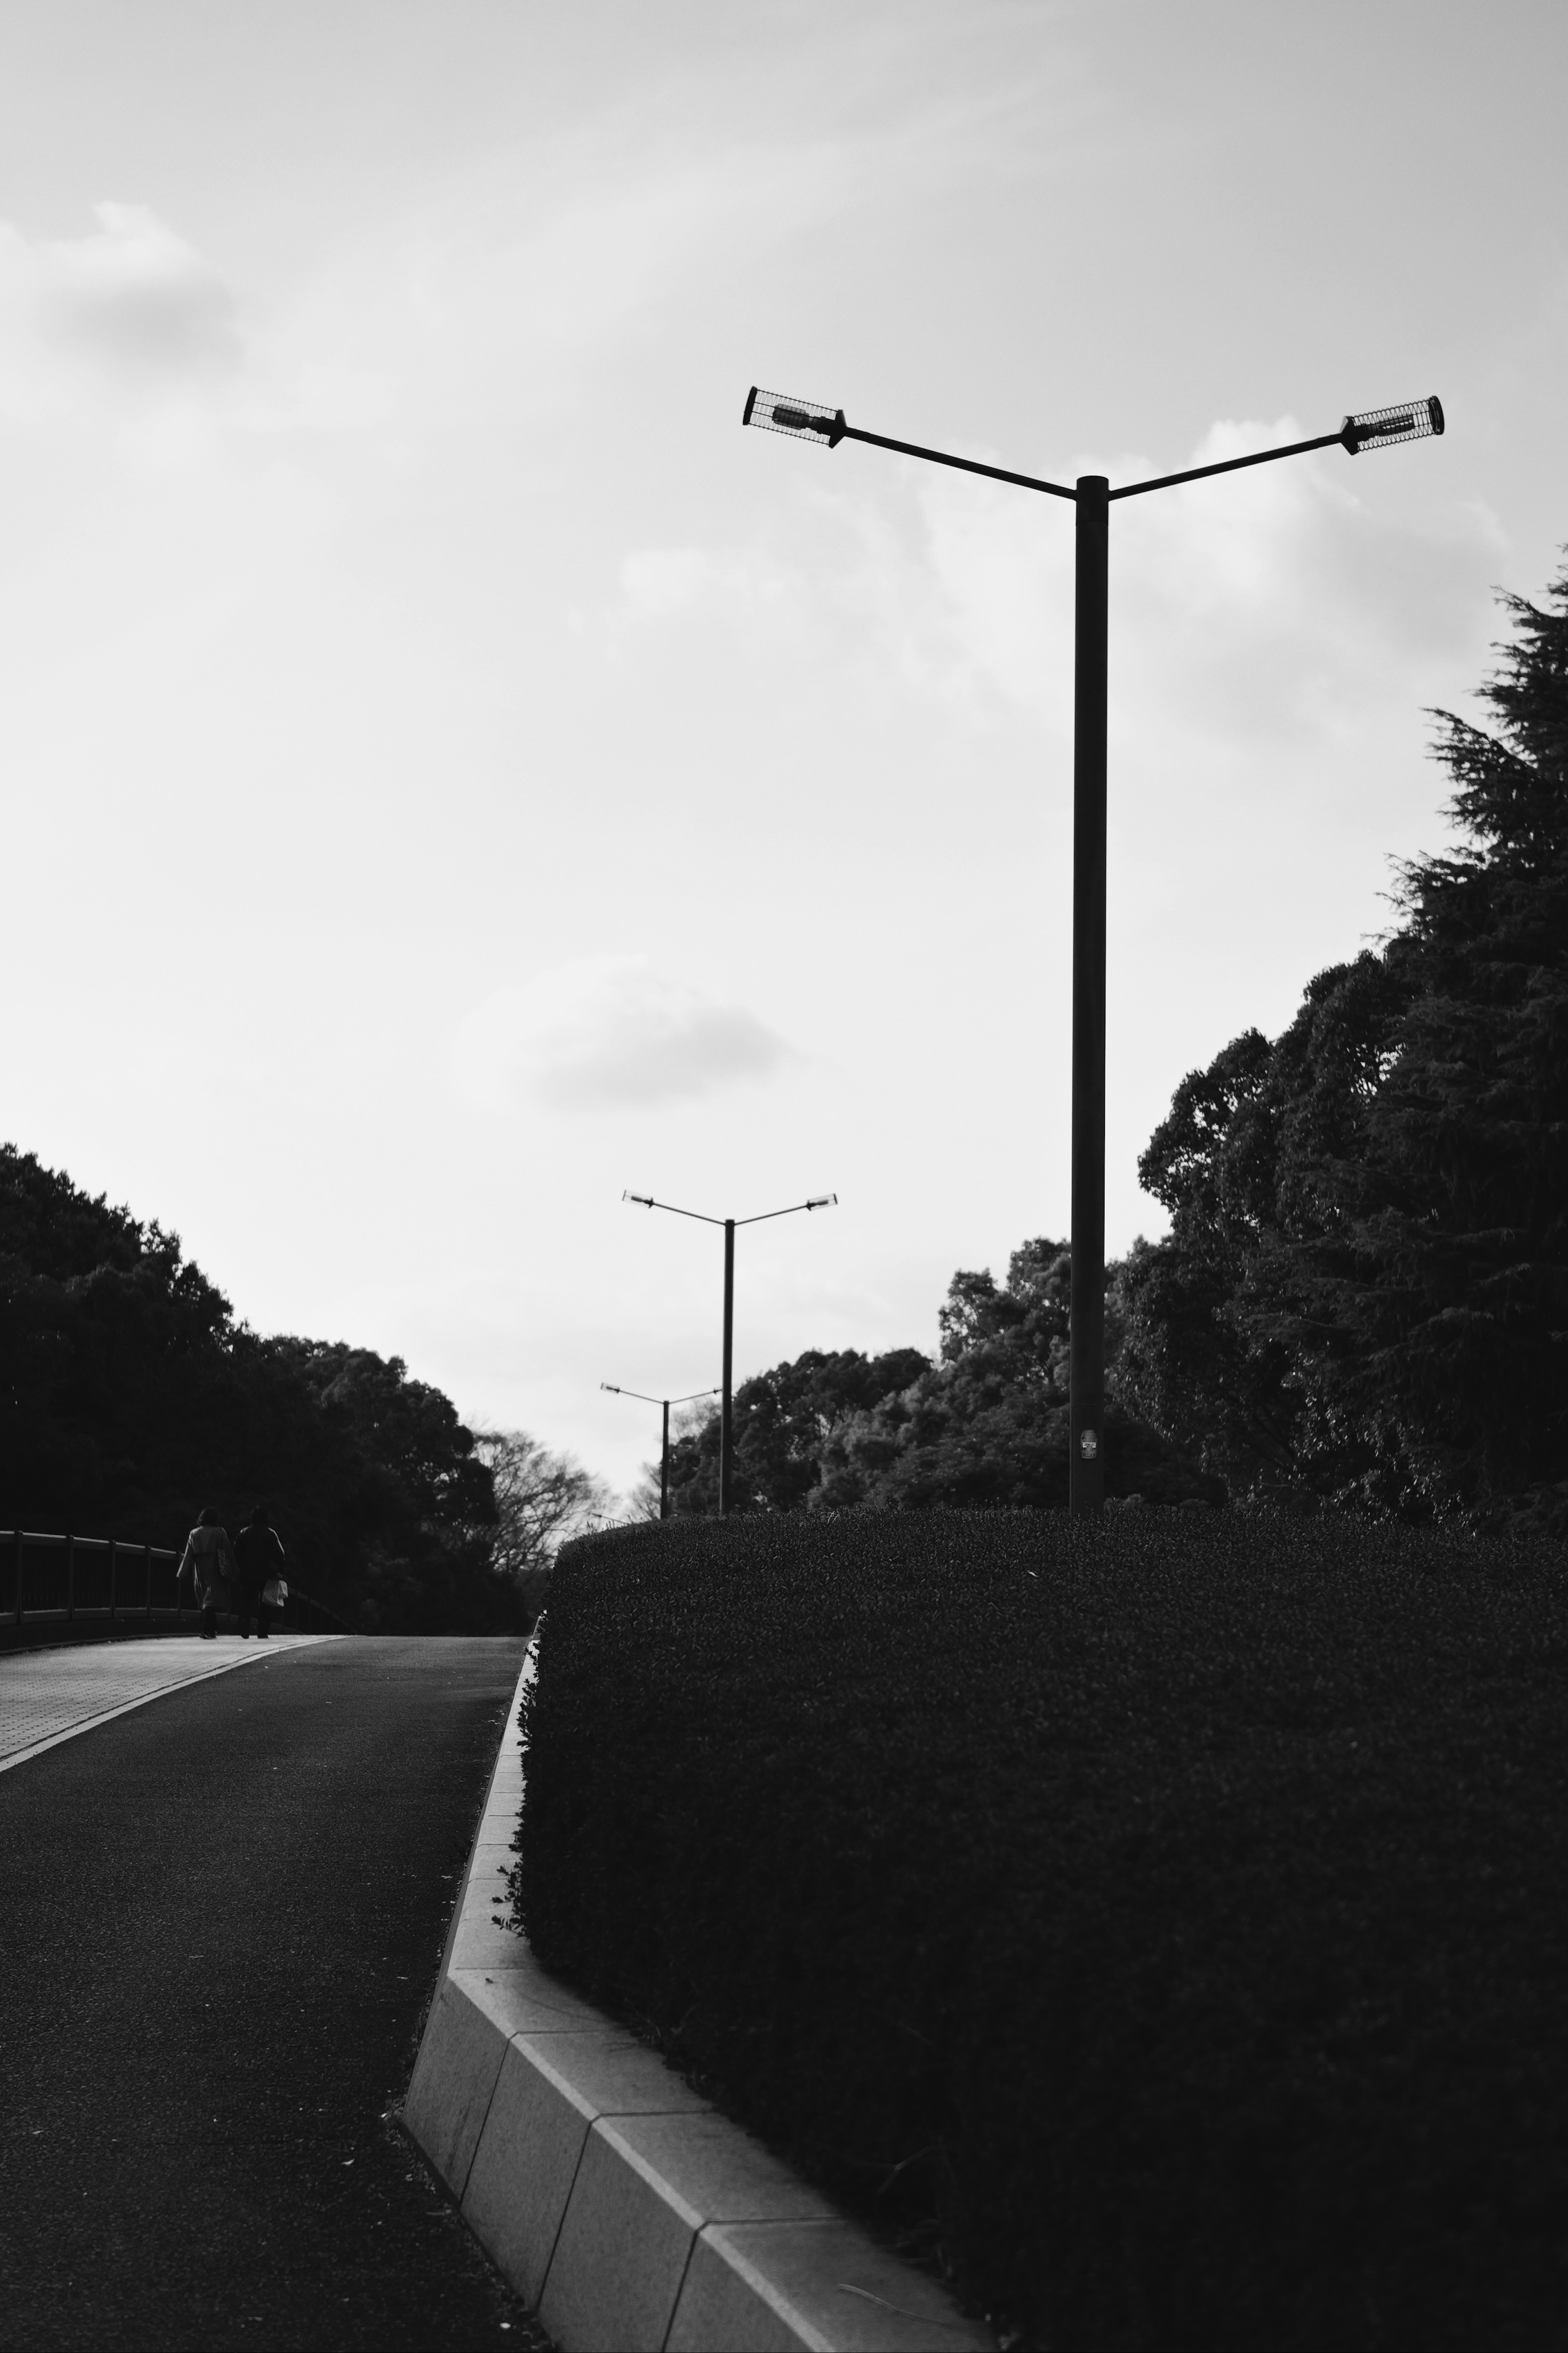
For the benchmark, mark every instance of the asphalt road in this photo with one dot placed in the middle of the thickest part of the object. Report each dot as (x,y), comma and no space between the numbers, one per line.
(221,1919)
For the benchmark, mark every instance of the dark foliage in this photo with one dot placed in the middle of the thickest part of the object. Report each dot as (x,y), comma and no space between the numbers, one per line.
(987,1424)
(782,1419)
(1365,1292)
(130,1397)
(1163,1918)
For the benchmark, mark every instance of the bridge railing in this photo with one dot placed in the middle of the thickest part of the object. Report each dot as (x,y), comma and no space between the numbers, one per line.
(104,1580)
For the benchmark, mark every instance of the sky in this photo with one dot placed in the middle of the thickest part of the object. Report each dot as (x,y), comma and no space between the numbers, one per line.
(450,774)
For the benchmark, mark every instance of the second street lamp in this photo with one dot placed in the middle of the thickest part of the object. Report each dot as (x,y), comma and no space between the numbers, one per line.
(726,1412)
(1372,429)
(664,1451)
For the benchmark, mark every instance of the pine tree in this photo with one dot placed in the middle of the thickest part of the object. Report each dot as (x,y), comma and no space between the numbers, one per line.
(1460,1289)
(1365,1289)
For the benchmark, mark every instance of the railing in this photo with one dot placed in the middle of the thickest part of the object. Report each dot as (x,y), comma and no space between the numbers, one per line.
(102,1579)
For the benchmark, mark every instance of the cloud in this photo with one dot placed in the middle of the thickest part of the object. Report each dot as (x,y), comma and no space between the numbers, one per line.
(131,306)
(137,294)
(610,1031)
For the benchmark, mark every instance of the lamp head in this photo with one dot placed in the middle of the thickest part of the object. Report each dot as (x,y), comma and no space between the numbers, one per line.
(1377,428)
(643,1200)
(823,1201)
(611,1386)
(803,420)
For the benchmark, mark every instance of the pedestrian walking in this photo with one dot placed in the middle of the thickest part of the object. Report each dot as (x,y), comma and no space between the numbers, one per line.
(209,1561)
(259,1553)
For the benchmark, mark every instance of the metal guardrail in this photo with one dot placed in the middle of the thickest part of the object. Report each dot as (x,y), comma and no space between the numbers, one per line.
(66,1578)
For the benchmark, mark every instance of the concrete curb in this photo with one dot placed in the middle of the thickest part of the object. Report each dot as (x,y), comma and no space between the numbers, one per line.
(621,2206)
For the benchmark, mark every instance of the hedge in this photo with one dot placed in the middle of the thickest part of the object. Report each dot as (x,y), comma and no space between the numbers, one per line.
(1160,1923)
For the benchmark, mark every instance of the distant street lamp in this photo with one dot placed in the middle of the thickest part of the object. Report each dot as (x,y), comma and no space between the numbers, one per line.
(664,1452)
(1375,428)
(726,1415)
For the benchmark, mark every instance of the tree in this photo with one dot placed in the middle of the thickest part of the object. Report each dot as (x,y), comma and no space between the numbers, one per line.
(1365,1292)
(130,1397)
(987,1425)
(782,1421)
(540,1498)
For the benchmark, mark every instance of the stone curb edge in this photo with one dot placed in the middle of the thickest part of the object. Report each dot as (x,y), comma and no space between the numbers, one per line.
(625,2210)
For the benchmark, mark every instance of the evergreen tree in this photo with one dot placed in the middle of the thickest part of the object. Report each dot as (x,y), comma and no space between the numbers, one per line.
(1365,1287)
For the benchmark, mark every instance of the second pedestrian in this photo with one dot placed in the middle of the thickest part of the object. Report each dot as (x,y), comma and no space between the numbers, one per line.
(259,1551)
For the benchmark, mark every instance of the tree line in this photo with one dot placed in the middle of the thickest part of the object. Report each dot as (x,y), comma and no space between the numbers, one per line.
(1362,1298)
(130,1397)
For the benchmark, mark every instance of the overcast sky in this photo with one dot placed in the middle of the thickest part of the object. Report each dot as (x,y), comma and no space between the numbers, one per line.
(451,773)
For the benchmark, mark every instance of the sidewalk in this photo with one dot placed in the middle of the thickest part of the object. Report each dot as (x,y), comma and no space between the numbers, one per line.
(48,1695)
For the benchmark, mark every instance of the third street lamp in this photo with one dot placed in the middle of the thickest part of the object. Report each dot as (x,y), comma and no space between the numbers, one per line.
(664,1452)
(1372,429)
(726,1414)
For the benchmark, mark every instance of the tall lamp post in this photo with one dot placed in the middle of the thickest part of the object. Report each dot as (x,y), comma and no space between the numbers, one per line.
(1375,428)
(726,1413)
(664,1452)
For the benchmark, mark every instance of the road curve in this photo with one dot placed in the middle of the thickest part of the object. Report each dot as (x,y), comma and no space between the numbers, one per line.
(222,1917)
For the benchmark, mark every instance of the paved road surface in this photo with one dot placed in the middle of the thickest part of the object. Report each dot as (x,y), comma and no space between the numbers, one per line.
(221,1917)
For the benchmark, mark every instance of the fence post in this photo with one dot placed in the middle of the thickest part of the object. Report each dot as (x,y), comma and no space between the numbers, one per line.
(17,1533)
(148,1550)
(70,1577)
(111,1581)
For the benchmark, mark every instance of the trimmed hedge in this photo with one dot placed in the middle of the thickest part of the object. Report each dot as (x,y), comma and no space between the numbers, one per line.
(1164,1922)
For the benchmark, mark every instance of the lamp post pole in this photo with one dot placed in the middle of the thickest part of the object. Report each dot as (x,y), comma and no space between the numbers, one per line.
(812,420)
(1086,1347)
(726,1408)
(664,1441)
(726,1371)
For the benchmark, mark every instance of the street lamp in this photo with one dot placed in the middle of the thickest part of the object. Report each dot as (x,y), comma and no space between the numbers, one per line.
(726,1415)
(1373,429)
(664,1455)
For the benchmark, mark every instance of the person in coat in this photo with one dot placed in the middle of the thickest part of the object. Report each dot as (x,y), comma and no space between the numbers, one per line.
(209,1559)
(259,1553)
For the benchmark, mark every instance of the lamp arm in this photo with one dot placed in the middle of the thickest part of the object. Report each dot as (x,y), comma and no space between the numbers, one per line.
(761,1219)
(1230,465)
(701,1215)
(963,465)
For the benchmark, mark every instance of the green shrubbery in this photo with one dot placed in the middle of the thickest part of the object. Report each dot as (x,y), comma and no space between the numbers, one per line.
(1165,1918)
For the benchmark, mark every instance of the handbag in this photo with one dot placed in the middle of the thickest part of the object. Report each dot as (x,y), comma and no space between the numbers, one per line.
(275,1593)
